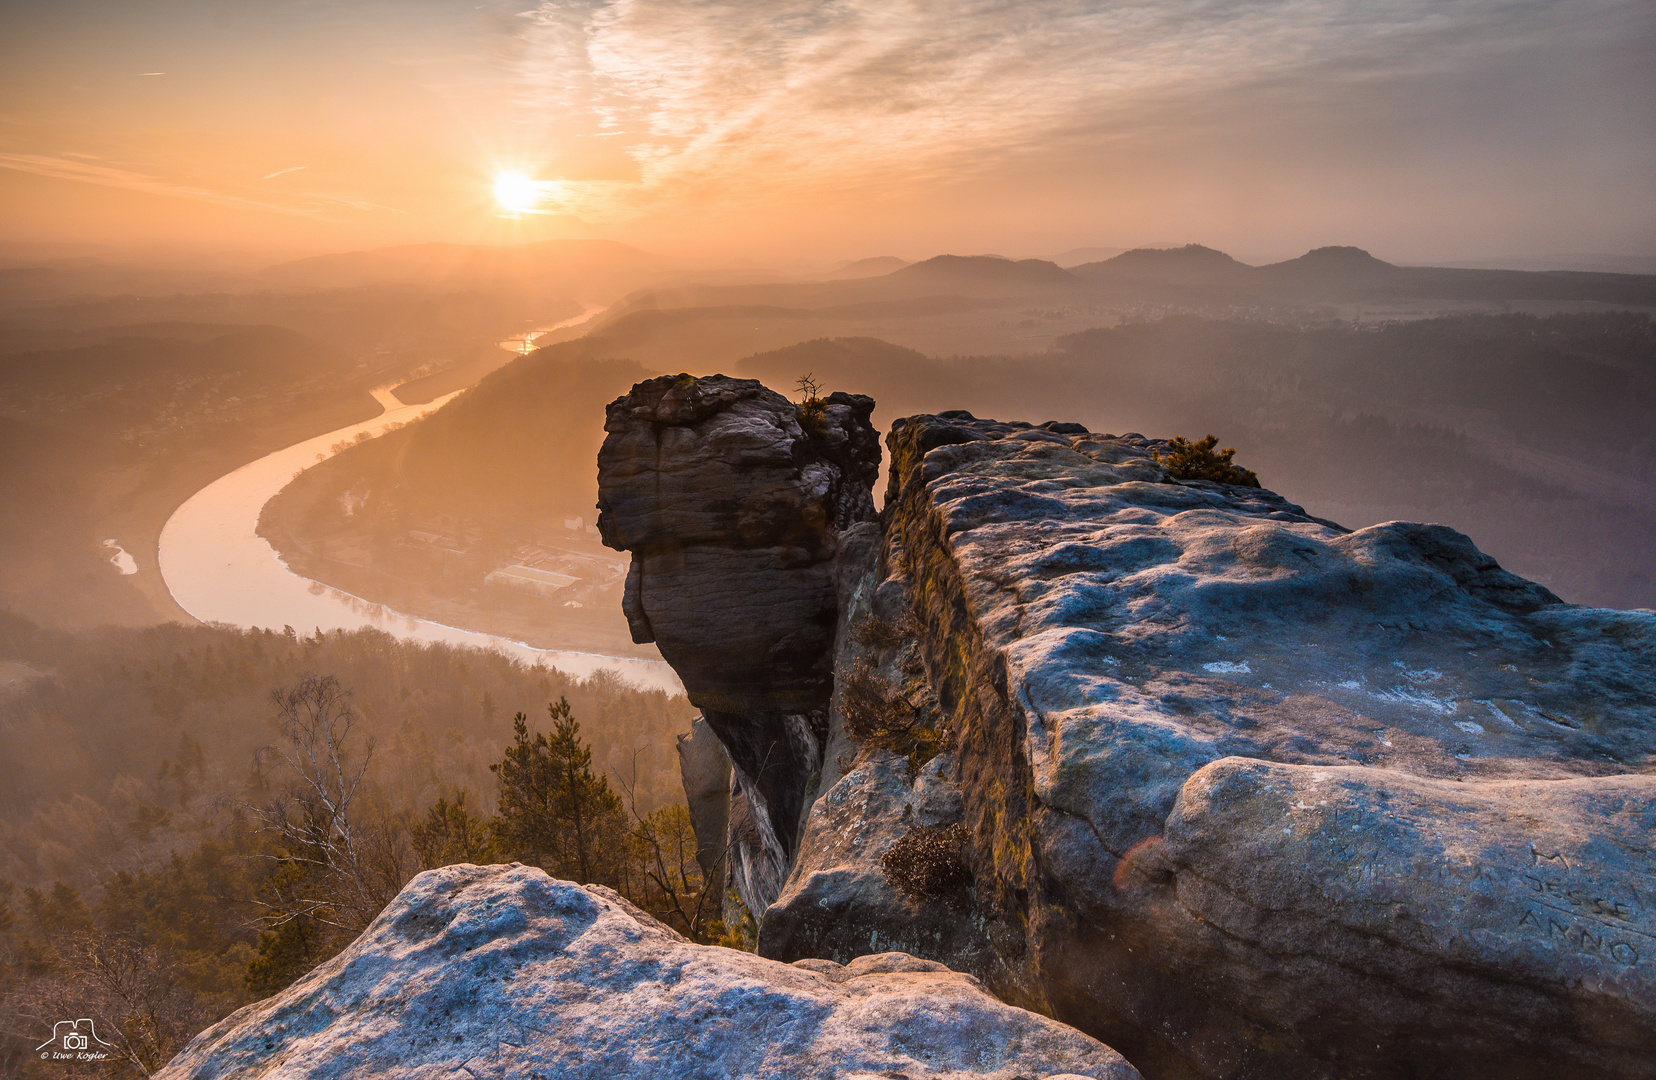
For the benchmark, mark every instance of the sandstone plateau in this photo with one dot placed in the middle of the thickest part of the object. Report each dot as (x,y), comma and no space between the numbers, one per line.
(1242,792)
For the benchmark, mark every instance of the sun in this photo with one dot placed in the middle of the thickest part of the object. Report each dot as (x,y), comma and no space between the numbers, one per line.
(516,193)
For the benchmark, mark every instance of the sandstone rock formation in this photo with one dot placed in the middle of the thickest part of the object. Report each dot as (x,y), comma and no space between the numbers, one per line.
(1249,794)
(504,972)
(731,501)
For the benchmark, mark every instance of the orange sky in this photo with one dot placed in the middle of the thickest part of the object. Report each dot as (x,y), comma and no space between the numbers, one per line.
(778,129)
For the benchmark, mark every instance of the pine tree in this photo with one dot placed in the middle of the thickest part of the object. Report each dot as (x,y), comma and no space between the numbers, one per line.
(1198,460)
(553,809)
(452,834)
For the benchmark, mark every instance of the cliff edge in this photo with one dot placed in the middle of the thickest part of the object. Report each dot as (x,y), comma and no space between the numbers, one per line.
(1232,788)
(731,502)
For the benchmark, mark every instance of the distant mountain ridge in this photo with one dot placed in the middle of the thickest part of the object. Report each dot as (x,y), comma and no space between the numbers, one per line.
(1325,263)
(870,267)
(1343,272)
(984,269)
(1077,256)
(1162,263)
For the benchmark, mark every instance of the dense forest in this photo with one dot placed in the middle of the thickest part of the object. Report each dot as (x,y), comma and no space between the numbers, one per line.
(167,852)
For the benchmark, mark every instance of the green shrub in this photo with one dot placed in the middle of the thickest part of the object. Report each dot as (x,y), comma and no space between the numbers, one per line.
(1199,461)
(929,863)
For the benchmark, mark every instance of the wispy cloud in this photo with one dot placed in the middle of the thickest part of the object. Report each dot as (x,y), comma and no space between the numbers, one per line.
(745,96)
(89,170)
(283,172)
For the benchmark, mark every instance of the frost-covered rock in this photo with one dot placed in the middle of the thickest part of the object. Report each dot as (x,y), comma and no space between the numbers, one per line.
(1251,794)
(502,971)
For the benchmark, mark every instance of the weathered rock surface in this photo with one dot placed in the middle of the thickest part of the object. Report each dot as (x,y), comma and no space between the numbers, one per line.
(732,508)
(838,903)
(1252,794)
(502,971)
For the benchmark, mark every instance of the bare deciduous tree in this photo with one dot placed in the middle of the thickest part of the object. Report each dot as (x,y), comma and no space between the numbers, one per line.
(347,865)
(140,1012)
(673,888)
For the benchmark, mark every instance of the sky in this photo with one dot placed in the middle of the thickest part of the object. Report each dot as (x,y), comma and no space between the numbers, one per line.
(1421,130)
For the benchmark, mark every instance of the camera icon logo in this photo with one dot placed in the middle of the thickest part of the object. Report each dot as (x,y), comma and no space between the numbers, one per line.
(77,1035)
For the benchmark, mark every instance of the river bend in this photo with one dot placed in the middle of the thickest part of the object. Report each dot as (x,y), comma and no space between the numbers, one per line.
(219,569)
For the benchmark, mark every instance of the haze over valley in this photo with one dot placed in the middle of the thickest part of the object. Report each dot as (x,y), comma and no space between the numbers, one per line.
(381,499)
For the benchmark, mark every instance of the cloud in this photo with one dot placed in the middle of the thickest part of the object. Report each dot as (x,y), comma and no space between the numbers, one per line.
(749,99)
(282,172)
(87,170)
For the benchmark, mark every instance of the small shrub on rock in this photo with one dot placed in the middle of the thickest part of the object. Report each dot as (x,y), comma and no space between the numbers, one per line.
(812,408)
(876,714)
(929,863)
(877,633)
(1198,461)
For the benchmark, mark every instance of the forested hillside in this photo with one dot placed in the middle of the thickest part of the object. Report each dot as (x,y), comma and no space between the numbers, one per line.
(165,857)
(504,475)
(126,388)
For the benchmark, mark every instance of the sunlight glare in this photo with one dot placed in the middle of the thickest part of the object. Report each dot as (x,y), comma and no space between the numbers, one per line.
(516,193)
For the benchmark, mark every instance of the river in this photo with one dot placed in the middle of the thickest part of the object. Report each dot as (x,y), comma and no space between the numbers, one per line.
(523,344)
(221,570)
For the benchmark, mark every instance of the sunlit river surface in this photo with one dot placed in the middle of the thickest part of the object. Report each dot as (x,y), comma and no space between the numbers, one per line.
(220,570)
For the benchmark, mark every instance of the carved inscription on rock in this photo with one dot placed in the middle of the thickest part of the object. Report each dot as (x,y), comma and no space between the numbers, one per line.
(1572,906)
(1546,897)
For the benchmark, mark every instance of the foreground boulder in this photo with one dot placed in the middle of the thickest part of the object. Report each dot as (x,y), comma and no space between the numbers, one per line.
(503,971)
(1241,792)
(731,500)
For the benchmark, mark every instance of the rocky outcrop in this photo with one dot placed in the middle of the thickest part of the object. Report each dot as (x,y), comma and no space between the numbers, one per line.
(839,902)
(731,500)
(1235,789)
(1248,794)
(503,971)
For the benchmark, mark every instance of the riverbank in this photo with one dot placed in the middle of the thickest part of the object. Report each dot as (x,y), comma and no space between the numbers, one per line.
(403,564)
(219,569)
